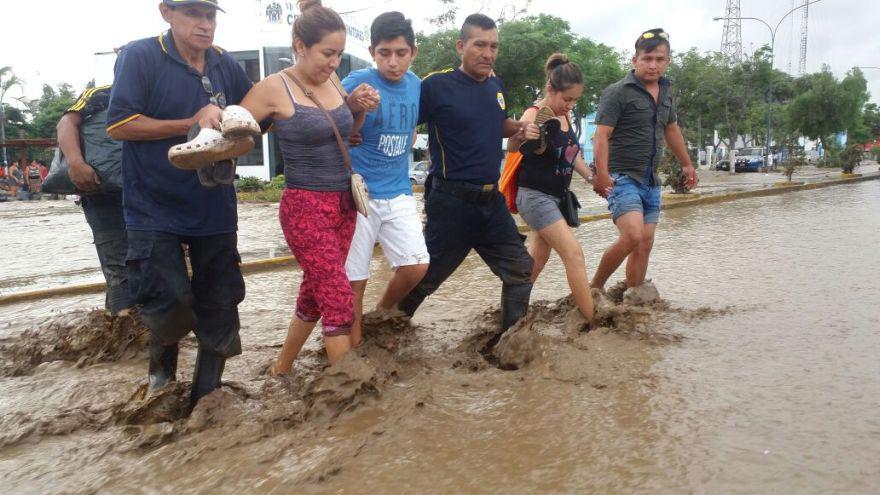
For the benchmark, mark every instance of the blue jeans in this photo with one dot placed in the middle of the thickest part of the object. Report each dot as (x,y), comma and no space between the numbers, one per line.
(103,213)
(462,218)
(629,195)
(172,304)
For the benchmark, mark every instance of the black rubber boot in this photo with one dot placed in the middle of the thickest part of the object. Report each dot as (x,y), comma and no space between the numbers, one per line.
(163,365)
(514,303)
(206,379)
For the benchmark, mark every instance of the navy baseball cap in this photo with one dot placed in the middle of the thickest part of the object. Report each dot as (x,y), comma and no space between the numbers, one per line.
(209,3)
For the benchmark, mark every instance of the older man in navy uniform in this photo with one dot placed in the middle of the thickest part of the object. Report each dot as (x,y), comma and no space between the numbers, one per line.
(164,85)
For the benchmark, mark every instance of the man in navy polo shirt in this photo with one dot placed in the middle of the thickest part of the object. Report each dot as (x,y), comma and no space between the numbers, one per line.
(467,119)
(164,85)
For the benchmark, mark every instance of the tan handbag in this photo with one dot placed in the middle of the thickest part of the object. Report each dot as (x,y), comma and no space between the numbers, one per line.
(358,186)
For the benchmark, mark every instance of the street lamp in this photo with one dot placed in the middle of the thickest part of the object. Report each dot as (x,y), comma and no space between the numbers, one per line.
(768,159)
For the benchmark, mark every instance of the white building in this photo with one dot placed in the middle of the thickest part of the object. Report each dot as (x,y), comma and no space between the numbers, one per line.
(271,52)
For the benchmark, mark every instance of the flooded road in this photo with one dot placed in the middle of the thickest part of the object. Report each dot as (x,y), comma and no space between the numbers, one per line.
(774,388)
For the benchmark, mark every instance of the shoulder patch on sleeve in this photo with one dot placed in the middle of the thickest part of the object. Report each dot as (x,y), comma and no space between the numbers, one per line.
(86,97)
(444,71)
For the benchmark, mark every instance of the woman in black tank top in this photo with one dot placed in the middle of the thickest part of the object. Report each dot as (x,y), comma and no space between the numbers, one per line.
(545,176)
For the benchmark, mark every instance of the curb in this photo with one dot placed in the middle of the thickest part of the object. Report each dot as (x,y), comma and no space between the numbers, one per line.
(92,288)
(268,264)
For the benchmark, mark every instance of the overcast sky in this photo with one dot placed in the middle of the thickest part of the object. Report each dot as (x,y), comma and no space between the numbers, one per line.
(53,41)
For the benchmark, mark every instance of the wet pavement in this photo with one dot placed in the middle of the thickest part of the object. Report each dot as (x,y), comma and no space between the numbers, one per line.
(758,375)
(68,257)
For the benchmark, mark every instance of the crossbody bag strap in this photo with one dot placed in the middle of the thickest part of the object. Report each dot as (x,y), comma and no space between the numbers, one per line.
(344,149)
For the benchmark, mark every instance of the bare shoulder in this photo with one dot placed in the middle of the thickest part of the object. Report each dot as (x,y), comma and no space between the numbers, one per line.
(334,80)
(529,115)
(268,98)
(270,84)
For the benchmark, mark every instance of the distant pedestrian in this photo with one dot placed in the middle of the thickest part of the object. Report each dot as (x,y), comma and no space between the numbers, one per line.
(16,179)
(33,180)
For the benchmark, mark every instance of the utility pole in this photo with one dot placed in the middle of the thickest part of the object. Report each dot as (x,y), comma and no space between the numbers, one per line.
(802,66)
(3,131)
(731,40)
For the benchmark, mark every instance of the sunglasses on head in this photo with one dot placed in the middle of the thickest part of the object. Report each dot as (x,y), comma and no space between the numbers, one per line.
(649,35)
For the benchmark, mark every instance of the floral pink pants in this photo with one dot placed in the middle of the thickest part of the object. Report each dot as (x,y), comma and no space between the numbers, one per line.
(318,227)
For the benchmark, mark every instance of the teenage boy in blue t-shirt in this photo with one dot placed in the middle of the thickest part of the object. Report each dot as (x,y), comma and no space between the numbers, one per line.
(383,159)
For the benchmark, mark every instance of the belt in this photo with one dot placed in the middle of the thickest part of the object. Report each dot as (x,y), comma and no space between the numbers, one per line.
(473,193)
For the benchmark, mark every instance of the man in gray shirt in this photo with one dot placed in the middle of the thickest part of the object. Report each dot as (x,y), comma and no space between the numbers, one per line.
(636,116)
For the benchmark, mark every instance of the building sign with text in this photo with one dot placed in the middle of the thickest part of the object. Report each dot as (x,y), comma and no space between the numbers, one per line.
(276,18)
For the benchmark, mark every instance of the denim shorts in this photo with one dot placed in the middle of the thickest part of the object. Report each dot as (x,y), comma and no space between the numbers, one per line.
(630,195)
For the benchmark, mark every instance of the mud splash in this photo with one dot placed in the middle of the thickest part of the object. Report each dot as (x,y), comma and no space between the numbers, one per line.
(85,338)
(393,377)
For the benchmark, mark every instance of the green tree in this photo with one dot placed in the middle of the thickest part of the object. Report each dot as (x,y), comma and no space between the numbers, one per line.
(601,66)
(735,91)
(436,52)
(866,129)
(48,109)
(871,119)
(525,46)
(825,106)
(691,73)
(446,20)
(8,80)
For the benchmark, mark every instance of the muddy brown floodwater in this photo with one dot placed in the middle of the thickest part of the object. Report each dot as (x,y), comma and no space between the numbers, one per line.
(758,372)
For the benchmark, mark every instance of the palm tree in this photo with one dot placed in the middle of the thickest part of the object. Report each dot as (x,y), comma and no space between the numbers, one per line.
(8,80)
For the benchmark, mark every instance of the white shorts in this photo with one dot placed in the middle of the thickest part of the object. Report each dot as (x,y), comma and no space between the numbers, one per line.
(396,224)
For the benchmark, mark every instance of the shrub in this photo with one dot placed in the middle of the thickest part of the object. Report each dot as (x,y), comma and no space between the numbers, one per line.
(830,159)
(672,169)
(250,184)
(277,183)
(796,158)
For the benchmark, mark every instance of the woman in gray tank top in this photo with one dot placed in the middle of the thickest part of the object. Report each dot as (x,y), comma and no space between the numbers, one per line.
(317,211)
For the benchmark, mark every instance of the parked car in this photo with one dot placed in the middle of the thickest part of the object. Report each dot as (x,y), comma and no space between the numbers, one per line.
(418,173)
(749,160)
(723,165)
